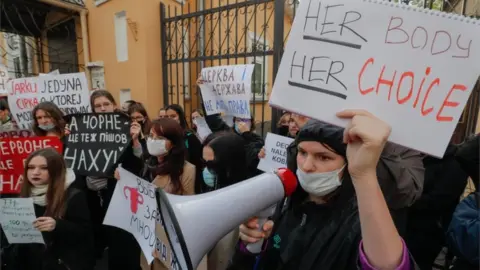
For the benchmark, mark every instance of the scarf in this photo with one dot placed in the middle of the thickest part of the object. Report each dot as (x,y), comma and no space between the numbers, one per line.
(39,193)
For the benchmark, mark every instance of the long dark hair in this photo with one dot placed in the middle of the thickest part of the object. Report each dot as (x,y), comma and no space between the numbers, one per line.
(138,107)
(54,112)
(174,161)
(181,115)
(57,172)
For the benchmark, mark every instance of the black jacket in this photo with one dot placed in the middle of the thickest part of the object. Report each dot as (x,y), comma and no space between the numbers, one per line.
(68,246)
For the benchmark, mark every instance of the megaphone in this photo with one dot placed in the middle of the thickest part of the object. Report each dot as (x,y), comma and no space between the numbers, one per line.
(194,224)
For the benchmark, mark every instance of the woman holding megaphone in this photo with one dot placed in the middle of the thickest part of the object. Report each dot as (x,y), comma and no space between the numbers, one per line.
(338,219)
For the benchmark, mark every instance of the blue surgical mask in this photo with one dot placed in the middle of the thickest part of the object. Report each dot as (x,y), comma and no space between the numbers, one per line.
(47,127)
(209,178)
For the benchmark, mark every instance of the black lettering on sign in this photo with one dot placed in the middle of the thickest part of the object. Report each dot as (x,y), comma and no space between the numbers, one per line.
(96,142)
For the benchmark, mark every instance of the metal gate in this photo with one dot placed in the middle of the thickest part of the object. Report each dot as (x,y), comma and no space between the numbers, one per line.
(226,32)
(222,32)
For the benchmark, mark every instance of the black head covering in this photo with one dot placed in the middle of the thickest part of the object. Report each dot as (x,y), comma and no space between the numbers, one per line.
(327,134)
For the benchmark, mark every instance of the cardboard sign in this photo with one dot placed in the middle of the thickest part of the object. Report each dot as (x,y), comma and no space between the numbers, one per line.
(227,89)
(275,152)
(133,208)
(68,91)
(20,133)
(96,142)
(13,152)
(17,217)
(391,59)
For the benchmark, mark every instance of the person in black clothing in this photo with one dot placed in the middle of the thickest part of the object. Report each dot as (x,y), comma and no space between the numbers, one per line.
(468,157)
(429,217)
(121,244)
(337,210)
(62,217)
(141,125)
(192,143)
(224,154)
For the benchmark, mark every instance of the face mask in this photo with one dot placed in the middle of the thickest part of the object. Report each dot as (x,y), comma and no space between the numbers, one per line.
(283,130)
(209,178)
(319,184)
(156,147)
(47,127)
(238,131)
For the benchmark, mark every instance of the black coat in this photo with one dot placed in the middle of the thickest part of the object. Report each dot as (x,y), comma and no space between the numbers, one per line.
(68,246)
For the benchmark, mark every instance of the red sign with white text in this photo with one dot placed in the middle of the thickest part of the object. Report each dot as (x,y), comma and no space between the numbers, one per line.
(13,152)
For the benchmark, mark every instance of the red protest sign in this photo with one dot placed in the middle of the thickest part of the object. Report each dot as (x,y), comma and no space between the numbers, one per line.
(13,152)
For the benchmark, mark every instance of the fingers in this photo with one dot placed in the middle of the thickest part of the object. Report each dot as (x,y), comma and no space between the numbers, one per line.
(252,223)
(250,233)
(352,113)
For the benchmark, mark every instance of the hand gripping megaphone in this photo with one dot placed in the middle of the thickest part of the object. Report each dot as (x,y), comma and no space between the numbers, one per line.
(194,224)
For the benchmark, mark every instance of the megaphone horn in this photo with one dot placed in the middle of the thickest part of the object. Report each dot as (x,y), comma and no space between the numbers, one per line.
(194,224)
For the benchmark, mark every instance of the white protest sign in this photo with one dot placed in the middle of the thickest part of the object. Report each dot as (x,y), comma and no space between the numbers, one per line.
(3,80)
(202,128)
(133,208)
(17,216)
(68,91)
(413,68)
(227,89)
(275,152)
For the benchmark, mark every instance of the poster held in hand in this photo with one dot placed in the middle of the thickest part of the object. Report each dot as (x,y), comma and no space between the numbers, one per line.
(390,59)
(227,89)
(13,152)
(16,217)
(133,208)
(96,142)
(275,152)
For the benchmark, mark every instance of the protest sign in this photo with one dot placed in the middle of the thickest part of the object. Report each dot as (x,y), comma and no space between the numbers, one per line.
(275,152)
(13,152)
(20,133)
(202,128)
(16,217)
(3,80)
(227,89)
(133,208)
(68,91)
(96,142)
(391,59)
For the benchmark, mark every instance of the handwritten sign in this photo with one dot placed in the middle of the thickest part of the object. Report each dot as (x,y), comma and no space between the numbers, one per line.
(275,152)
(202,128)
(68,91)
(17,217)
(3,80)
(227,89)
(13,152)
(19,133)
(96,142)
(390,59)
(133,208)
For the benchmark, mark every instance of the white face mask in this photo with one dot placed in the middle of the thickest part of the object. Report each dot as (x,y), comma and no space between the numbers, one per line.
(319,184)
(156,147)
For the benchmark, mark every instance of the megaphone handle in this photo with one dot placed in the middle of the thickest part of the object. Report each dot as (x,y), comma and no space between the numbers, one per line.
(256,247)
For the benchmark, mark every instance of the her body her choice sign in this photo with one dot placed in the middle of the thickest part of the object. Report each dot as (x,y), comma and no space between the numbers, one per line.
(68,91)
(96,142)
(13,152)
(413,68)
(227,89)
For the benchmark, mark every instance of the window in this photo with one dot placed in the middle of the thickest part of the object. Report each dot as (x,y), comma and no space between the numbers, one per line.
(16,67)
(260,71)
(121,39)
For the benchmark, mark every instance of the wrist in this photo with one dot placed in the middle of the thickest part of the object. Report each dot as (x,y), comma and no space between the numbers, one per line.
(364,178)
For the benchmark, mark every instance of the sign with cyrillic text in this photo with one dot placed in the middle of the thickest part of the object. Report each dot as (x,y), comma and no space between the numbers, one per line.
(96,142)
(411,67)
(133,208)
(275,152)
(16,217)
(68,91)
(13,152)
(227,89)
